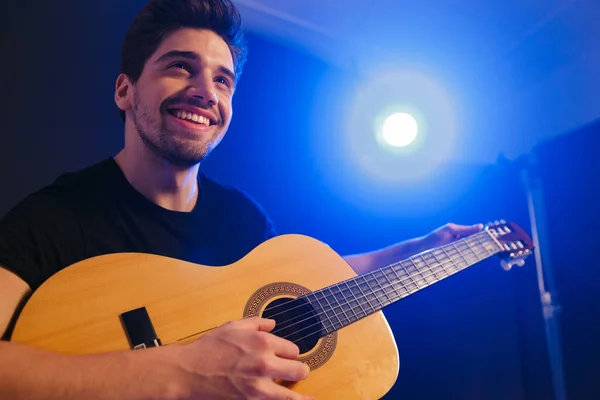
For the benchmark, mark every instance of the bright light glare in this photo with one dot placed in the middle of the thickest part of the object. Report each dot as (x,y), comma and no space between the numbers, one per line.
(399,130)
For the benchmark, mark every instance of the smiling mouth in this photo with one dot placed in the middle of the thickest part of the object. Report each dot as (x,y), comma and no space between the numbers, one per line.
(190,117)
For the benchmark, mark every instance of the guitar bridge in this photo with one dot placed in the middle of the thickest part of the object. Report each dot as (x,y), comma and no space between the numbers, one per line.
(139,329)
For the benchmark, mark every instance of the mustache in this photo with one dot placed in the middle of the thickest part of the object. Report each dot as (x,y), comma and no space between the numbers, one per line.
(179,99)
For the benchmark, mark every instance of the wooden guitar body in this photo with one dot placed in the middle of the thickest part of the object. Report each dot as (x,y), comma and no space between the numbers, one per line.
(77,310)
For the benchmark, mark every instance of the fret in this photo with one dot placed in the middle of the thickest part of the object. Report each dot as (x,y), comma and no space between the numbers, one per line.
(441,268)
(476,248)
(343,305)
(355,300)
(438,263)
(469,244)
(363,294)
(412,285)
(465,253)
(444,253)
(385,284)
(333,313)
(449,253)
(421,281)
(334,309)
(429,274)
(327,311)
(467,263)
(401,284)
(446,267)
(453,259)
(374,293)
(495,246)
(413,273)
(434,266)
(320,311)
(485,244)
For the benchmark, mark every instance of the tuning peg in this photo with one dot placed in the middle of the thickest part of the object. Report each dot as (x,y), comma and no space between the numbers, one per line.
(507,265)
(520,262)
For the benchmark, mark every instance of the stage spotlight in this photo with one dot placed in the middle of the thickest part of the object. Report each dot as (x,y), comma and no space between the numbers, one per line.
(399,130)
(395,131)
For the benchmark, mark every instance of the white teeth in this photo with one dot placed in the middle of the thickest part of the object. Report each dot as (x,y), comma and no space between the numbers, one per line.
(192,117)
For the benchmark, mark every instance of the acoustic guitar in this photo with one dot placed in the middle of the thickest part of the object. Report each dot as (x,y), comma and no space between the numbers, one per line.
(134,301)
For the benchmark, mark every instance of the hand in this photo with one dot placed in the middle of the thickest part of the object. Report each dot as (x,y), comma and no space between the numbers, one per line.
(241,360)
(449,233)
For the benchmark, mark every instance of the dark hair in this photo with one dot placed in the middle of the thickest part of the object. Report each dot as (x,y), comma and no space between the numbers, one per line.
(159,18)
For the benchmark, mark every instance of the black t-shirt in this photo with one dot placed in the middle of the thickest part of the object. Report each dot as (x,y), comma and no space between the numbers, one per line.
(96,211)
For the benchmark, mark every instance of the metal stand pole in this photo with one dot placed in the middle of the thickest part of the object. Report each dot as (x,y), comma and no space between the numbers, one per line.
(533,187)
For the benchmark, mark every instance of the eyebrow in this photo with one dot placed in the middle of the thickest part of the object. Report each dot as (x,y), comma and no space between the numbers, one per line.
(190,55)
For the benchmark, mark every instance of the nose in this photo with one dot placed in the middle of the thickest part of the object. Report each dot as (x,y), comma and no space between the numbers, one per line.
(203,88)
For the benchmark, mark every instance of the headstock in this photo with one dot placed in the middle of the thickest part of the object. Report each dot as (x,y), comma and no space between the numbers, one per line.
(512,238)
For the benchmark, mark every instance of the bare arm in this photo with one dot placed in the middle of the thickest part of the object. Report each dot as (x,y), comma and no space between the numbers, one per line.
(238,359)
(29,373)
(366,262)
(448,233)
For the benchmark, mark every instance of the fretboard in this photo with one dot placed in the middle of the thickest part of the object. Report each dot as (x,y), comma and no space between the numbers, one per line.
(346,302)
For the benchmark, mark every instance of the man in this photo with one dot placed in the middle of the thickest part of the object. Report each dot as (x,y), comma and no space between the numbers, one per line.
(181,62)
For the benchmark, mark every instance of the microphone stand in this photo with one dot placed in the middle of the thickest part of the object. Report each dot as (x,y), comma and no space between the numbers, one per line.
(528,168)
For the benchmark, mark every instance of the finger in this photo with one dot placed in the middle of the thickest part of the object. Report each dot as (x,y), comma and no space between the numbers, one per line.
(288,370)
(465,230)
(282,347)
(255,324)
(278,368)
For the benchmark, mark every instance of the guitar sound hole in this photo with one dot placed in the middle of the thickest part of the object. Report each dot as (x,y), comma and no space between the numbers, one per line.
(295,320)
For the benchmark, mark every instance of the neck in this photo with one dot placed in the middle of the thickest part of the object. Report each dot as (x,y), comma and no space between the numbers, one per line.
(171,187)
(348,301)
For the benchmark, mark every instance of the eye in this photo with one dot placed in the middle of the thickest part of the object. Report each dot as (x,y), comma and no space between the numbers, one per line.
(223,81)
(181,65)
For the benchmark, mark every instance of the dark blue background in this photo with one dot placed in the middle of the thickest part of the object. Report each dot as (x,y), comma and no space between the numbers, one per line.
(478,335)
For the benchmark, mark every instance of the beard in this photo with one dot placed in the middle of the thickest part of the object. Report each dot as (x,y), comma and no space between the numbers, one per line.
(166,145)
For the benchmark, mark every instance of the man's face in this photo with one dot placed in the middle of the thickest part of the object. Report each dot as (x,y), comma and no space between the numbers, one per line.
(181,104)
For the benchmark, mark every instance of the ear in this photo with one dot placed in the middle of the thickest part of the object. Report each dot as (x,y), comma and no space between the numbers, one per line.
(124,92)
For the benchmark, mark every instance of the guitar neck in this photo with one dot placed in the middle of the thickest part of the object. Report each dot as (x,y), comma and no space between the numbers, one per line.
(346,302)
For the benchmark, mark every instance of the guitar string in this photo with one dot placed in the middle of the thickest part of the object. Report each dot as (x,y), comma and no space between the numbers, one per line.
(372,278)
(337,315)
(461,242)
(482,254)
(392,284)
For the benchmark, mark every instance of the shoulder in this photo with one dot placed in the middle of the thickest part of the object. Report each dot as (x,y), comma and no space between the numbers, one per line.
(237,209)
(59,198)
(97,176)
(42,233)
(234,199)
